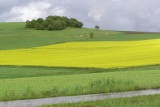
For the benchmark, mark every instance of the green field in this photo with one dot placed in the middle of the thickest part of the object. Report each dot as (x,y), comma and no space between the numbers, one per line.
(144,101)
(30,71)
(14,35)
(37,64)
(49,86)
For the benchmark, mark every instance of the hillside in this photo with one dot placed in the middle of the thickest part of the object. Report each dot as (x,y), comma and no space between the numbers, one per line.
(15,36)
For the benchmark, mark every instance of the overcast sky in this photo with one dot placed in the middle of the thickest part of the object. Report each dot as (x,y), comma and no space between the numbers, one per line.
(139,15)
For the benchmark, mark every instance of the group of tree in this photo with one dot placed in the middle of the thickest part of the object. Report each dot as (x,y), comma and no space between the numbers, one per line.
(53,23)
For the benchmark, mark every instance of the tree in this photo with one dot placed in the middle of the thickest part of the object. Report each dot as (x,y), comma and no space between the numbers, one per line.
(50,27)
(53,23)
(45,23)
(28,24)
(75,23)
(33,23)
(59,25)
(66,20)
(39,26)
(40,20)
(79,24)
(91,35)
(97,27)
(49,19)
(63,24)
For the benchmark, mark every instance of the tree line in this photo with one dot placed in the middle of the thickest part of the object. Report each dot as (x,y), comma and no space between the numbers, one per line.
(53,23)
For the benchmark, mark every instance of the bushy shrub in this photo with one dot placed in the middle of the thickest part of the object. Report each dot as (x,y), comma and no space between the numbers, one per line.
(91,35)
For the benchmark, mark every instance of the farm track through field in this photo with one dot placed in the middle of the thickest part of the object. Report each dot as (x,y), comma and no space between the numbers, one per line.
(75,99)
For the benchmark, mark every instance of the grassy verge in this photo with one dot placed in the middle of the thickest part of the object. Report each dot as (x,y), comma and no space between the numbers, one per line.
(96,86)
(143,101)
(51,86)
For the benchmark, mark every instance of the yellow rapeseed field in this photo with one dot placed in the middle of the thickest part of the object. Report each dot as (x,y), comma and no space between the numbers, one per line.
(111,54)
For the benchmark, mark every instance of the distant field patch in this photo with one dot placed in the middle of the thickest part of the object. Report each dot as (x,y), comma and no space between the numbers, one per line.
(111,54)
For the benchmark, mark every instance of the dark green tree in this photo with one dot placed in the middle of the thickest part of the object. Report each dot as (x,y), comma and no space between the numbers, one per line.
(28,24)
(59,25)
(39,26)
(97,27)
(45,23)
(75,23)
(50,27)
(33,23)
(40,20)
(53,23)
(66,20)
(79,24)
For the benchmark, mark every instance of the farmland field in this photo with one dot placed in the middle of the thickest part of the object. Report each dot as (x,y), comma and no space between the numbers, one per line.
(31,71)
(37,64)
(48,86)
(83,54)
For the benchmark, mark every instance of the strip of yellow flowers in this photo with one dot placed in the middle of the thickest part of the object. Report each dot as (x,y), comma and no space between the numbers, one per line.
(111,54)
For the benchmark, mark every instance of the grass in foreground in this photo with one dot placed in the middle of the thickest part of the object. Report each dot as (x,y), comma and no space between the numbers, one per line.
(83,54)
(143,101)
(50,86)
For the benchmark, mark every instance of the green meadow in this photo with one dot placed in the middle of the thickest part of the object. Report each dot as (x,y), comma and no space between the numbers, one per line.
(33,63)
(15,36)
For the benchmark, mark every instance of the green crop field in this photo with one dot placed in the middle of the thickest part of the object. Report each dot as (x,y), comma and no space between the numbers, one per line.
(31,71)
(60,85)
(37,64)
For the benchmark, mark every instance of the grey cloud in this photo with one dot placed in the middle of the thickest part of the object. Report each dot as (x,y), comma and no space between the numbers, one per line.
(6,5)
(139,15)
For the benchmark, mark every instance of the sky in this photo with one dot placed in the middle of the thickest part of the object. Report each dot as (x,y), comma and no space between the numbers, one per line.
(132,15)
